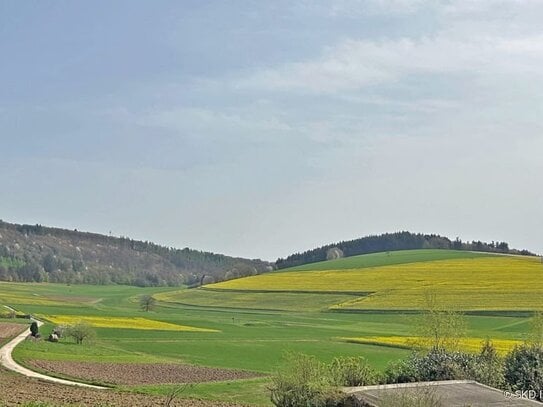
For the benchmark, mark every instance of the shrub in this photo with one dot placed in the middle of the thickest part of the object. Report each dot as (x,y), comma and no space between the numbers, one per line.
(437,364)
(524,368)
(400,371)
(489,367)
(440,364)
(352,371)
(34,329)
(304,381)
(60,330)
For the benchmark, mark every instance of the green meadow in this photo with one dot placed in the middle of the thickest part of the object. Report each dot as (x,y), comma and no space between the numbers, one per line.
(254,329)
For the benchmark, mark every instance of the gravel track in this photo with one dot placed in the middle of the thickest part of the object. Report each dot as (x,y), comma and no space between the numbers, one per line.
(7,361)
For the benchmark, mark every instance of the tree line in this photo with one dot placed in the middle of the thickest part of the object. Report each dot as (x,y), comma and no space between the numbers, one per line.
(391,242)
(36,253)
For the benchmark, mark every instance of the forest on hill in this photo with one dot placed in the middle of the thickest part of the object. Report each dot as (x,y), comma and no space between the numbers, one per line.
(35,253)
(391,242)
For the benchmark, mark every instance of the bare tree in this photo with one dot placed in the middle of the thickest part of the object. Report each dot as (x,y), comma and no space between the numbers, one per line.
(439,328)
(147,302)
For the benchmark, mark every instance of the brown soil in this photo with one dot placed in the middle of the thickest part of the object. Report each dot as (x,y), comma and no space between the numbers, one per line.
(16,389)
(139,373)
(9,330)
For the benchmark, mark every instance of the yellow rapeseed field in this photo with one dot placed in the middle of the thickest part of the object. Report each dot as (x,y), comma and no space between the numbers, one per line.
(485,283)
(502,346)
(125,323)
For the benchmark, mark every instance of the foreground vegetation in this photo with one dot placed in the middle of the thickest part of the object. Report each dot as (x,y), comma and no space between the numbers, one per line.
(253,329)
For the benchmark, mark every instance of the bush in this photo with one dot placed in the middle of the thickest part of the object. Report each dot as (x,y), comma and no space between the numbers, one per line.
(352,371)
(303,381)
(437,364)
(489,367)
(524,368)
(401,371)
(34,329)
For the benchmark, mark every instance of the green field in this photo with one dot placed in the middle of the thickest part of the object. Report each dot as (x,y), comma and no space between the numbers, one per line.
(251,329)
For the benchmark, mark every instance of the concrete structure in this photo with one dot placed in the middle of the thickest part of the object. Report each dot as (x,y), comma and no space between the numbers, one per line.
(450,393)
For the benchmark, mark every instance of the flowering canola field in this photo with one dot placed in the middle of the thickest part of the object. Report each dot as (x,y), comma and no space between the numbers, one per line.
(485,283)
(502,346)
(124,323)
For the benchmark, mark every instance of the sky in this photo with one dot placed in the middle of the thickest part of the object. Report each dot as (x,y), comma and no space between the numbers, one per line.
(259,129)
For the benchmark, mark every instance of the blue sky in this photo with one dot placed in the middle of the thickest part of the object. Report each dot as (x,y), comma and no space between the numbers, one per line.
(263,128)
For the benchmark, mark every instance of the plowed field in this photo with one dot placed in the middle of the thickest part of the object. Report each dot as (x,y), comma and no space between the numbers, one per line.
(139,373)
(16,389)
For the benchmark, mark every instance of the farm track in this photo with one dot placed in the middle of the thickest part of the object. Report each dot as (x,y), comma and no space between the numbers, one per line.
(30,386)
(6,360)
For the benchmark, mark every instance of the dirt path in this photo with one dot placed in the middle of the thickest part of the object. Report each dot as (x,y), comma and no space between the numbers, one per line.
(7,361)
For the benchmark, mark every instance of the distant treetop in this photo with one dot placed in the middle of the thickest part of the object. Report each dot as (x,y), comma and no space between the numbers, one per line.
(392,242)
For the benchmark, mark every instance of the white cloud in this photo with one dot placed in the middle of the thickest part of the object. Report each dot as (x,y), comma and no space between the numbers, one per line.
(354,64)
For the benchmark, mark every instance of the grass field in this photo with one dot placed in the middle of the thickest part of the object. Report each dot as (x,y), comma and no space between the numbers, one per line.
(251,328)
(279,301)
(388,259)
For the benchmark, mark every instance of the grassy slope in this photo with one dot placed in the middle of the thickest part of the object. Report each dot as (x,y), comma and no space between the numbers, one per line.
(302,301)
(388,258)
(466,281)
(281,301)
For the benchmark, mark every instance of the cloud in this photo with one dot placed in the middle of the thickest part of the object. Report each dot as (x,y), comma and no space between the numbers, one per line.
(469,38)
(355,64)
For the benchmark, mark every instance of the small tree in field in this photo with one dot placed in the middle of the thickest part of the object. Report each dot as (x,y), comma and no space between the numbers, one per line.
(81,331)
(439,328)
(147,302)
(34,329)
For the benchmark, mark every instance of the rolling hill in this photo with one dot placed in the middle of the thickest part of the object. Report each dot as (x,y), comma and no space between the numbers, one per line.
(390,281)
(392,242)
(35,253)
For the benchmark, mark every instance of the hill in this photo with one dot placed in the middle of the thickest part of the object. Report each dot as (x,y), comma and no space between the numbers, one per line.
(393,281)
(35,253)
(392,242)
